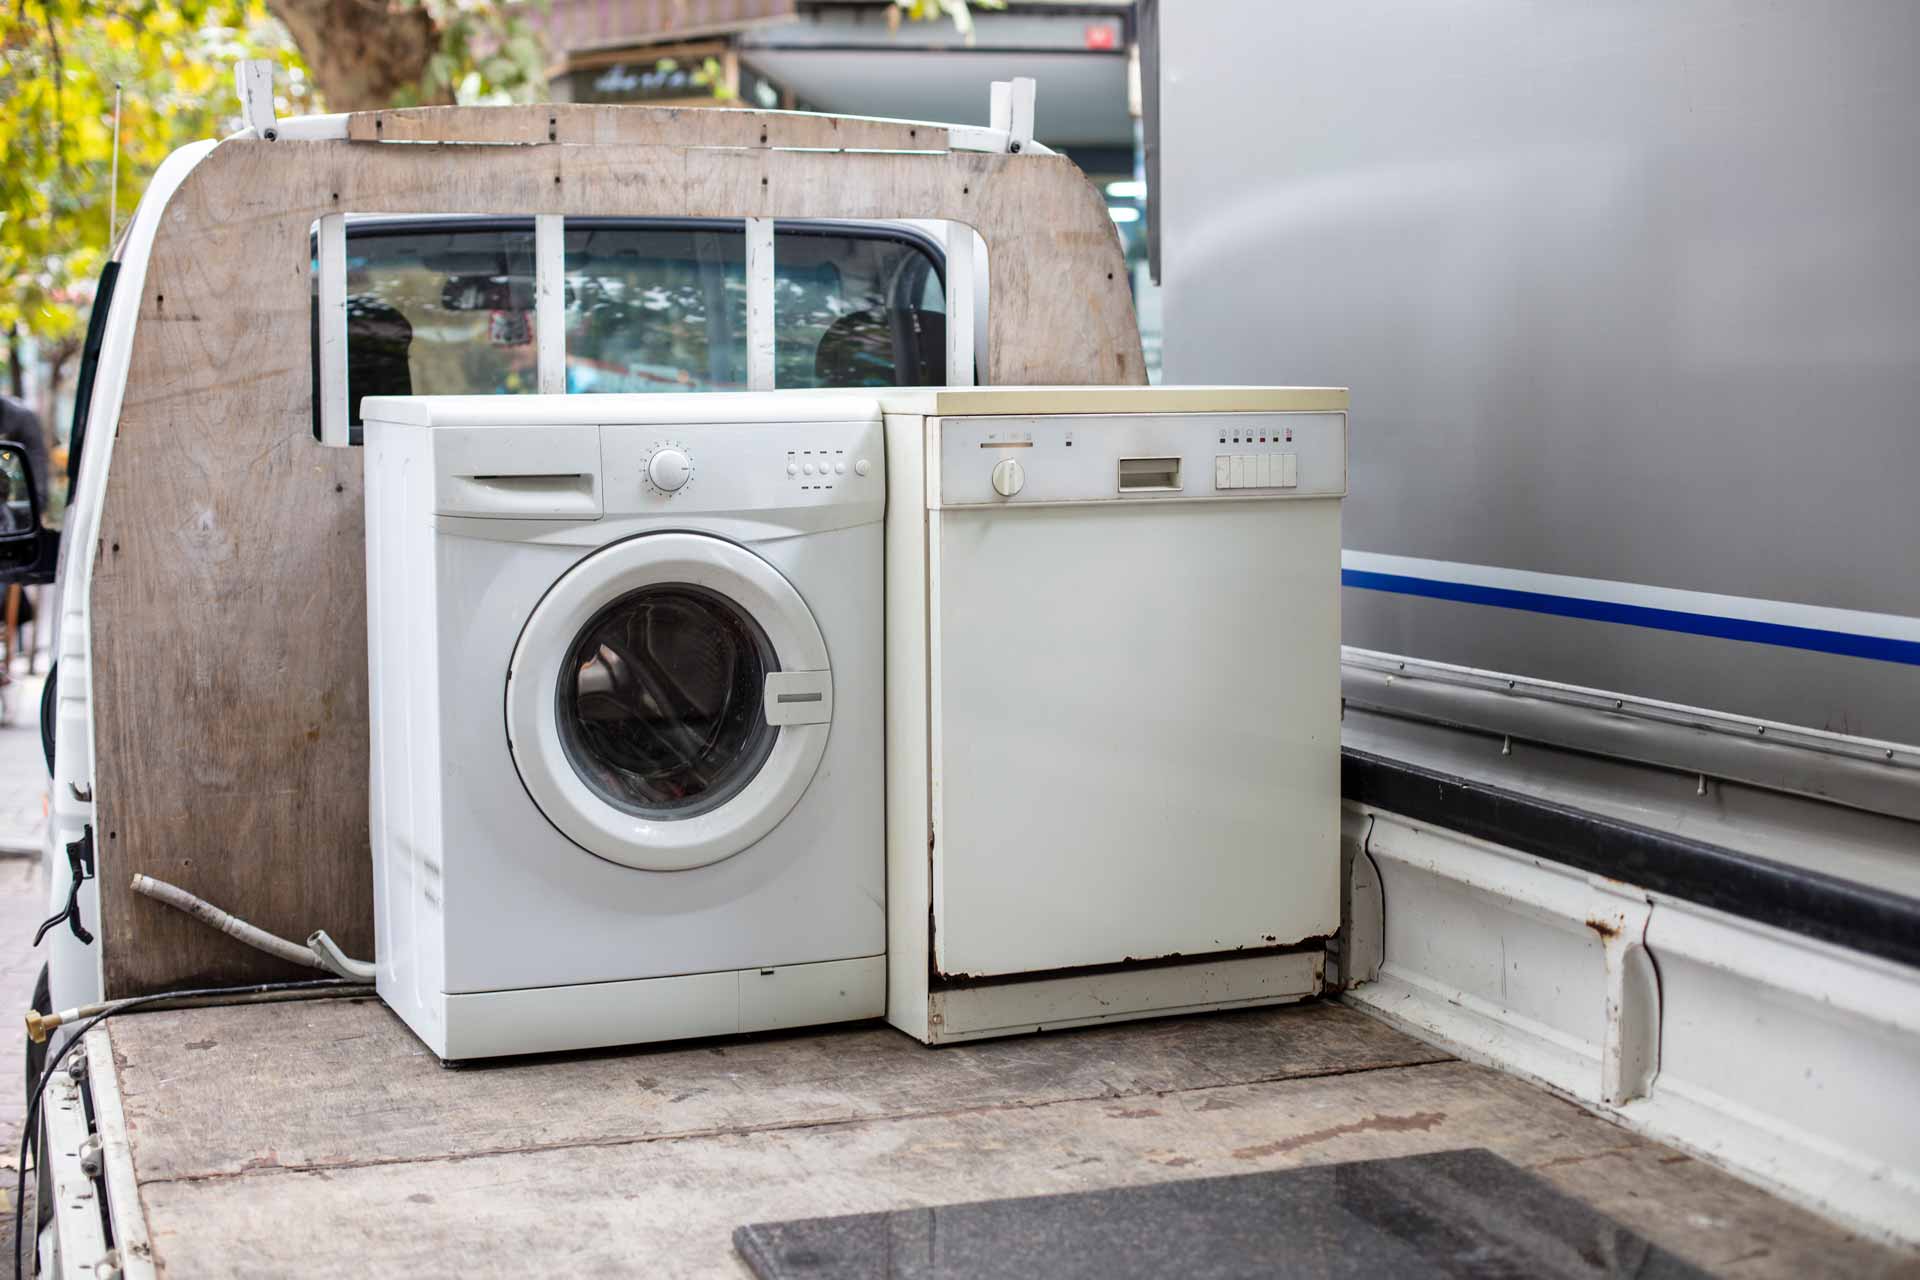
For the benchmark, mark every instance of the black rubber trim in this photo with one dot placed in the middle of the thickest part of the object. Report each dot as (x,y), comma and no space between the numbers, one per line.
(49,696)
(89,369)
(1811,903)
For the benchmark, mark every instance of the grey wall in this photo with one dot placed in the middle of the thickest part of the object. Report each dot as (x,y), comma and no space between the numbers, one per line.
(1625,291)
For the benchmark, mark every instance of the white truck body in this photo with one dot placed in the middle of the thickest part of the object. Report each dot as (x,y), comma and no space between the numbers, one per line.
(1496,944)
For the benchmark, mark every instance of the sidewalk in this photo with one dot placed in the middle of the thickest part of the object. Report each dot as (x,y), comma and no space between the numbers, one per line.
(23,903)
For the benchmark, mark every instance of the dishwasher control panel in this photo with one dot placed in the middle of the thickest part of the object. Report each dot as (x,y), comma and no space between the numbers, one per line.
(1137,457)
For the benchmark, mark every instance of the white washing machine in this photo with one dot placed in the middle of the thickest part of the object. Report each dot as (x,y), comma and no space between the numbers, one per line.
(625,660)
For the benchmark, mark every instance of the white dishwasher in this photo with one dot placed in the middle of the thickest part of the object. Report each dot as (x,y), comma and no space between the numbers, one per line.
(1113,656)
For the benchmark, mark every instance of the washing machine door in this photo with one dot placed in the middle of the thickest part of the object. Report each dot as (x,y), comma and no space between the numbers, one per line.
(669,701)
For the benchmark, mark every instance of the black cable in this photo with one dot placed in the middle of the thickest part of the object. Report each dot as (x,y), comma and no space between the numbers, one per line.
(80,1033)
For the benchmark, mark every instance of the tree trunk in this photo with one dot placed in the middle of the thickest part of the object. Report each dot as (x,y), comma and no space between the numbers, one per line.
(16,376)
(55,363)
(363,54)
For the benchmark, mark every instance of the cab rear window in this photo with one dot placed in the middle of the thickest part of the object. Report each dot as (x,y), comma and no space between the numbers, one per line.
(652,305)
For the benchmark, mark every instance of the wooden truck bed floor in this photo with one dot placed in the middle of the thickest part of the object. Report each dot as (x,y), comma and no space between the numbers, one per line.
(320,1138)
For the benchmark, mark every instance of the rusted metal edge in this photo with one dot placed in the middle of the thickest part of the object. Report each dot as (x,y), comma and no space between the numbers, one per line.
(937,981)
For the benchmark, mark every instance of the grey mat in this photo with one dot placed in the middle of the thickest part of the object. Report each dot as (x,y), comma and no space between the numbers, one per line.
(1452,1213)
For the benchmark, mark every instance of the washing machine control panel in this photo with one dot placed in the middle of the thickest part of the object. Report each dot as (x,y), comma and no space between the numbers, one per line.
(1019,461)
(716,468)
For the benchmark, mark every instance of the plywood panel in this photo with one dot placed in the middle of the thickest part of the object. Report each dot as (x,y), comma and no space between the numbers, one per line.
(228,617)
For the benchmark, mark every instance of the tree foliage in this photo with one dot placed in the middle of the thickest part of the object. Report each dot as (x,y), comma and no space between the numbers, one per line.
(59,63)
(173,60)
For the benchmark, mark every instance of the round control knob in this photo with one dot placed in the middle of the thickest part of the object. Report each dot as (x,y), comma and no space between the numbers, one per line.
(1008,477)
(861,467)
(669,469)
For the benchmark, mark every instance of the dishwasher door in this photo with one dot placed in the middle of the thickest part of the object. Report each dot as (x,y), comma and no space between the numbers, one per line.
(1134,678)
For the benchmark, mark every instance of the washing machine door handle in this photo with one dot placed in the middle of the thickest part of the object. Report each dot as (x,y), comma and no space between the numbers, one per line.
(798,697)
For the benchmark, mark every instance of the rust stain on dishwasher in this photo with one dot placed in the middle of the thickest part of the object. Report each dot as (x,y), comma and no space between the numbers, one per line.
(1605,928)
(1419,1120)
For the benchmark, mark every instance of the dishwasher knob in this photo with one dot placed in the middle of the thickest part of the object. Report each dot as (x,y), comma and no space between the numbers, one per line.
(1008,477)
(669,469)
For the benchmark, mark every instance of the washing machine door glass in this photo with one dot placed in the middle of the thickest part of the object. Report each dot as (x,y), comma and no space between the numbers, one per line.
(660,701)
(669,701)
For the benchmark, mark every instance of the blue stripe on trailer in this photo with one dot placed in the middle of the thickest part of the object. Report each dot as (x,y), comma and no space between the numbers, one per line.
(1848,644)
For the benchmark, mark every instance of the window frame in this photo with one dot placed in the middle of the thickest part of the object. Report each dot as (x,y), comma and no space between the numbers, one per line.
(361,227)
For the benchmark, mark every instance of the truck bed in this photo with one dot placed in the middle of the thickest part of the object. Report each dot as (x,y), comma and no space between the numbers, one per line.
(320,1137)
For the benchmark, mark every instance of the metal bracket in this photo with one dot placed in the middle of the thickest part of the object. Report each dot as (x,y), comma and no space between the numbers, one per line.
(79,1240)
(1011,129)
(253,78)
(80,868)
(1011,112)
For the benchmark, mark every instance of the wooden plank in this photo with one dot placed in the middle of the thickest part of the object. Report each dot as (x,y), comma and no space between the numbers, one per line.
(602,125)
(320,1084)
(229,655)
(604,1203)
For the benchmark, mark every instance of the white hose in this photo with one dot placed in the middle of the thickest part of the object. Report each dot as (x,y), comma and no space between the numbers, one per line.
(332,957)
(320,953)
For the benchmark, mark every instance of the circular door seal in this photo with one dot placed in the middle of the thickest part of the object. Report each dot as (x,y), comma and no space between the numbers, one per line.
(635,709)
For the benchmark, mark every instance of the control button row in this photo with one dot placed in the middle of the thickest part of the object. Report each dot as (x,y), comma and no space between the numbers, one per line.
(1256,470)
(860,468)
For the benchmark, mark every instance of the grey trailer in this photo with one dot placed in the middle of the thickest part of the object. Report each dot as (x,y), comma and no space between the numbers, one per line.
(1628,296)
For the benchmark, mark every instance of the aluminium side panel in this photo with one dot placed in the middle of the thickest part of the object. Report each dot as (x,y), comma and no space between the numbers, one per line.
(1629,299)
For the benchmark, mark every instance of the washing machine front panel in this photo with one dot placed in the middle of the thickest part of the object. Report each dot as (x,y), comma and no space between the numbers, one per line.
(669,701)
